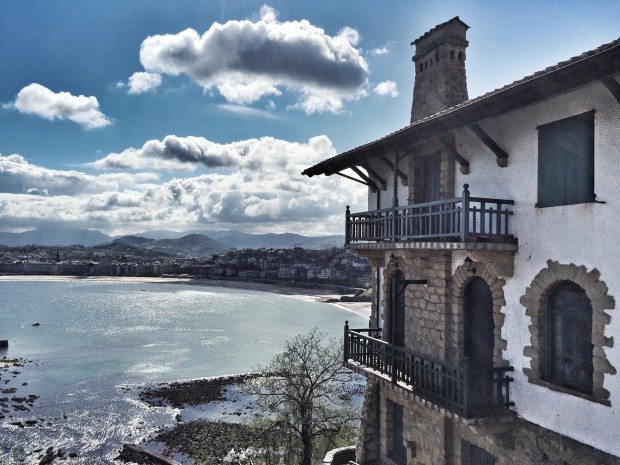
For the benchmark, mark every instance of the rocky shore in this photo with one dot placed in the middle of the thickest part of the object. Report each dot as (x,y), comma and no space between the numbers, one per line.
(209,424)
(195,392)
(13,400)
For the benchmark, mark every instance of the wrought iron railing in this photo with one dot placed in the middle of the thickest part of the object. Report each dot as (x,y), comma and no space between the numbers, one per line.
(459,219)
(471,392)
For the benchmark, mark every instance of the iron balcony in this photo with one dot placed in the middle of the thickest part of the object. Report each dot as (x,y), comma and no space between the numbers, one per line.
(460,219)
(465,390)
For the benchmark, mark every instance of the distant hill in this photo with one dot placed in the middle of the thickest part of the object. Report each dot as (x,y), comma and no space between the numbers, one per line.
(192,244)
(133,240)
(119,248)
(242,240)
(55,235)
(192,241)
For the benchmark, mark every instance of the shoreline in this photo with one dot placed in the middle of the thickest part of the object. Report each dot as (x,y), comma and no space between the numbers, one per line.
(317,294)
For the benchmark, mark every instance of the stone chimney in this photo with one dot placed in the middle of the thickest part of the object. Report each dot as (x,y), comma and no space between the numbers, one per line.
(440,80)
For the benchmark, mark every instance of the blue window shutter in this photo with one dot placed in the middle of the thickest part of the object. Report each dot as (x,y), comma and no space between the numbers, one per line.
(566,161)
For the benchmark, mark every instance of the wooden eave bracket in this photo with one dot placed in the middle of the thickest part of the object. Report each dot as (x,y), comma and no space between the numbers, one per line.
(452,151)
(382,183)
(500,154)
(372,186)
(364,176)
(391,166)
(612,86)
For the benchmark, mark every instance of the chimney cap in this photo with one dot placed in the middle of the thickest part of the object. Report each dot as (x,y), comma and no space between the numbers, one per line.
(439,26)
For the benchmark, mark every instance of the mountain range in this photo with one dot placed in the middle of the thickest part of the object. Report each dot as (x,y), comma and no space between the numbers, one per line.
(195,241)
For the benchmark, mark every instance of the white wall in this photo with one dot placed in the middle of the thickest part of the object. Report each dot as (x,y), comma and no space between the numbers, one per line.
(386,196)
(587,234)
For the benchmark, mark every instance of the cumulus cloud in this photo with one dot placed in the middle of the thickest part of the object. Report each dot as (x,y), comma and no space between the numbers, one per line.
(141,82)
(246,60)
(386,88)
(187,153)
(35,99)
(18,176)
(252,184)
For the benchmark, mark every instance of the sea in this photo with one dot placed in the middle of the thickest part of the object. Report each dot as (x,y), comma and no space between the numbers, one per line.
(99,341)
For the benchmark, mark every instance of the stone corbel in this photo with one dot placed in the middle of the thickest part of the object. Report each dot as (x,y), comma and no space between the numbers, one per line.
(500,263)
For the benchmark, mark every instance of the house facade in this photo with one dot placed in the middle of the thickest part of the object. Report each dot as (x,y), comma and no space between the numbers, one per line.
(493,238)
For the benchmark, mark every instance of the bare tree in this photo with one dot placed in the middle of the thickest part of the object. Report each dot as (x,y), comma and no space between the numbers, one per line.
(305,391)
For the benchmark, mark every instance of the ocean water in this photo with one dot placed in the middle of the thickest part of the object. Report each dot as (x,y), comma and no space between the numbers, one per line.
(98,341)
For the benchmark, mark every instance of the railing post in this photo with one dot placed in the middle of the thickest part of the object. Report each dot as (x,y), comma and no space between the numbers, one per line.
(465,213)
(394,223)
(347,225)
(393,363)
(466,388)
(346,342)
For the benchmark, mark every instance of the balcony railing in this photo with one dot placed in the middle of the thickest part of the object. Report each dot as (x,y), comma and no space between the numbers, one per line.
(469,391)
(461,219)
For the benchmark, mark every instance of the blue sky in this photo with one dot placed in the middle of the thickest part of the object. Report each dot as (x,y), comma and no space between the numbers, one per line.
(237,134)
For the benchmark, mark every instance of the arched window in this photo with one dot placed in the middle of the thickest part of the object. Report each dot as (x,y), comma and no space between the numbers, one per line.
(452,54)
(569,337)
(461,56)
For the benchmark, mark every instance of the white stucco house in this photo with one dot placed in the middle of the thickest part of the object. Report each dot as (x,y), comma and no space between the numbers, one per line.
(492,230)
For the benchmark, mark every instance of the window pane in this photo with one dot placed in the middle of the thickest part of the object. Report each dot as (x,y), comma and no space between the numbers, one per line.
(571,336)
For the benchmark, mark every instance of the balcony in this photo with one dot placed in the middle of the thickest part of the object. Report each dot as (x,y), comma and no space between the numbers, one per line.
(461,219)
(464,390)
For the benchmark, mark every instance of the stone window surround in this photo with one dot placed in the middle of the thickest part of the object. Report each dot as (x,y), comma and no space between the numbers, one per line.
(535,299)
(460,280)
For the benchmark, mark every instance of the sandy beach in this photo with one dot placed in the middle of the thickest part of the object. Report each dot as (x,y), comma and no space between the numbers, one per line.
(312,295)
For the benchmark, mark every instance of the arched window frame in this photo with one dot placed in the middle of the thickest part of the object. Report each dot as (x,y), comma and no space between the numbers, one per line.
(534,301)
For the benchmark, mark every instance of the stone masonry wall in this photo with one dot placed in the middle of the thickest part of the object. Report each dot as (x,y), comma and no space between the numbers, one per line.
(518,442)
(427,313)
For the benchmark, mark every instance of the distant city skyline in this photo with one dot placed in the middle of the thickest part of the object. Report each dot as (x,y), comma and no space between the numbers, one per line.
(130,116)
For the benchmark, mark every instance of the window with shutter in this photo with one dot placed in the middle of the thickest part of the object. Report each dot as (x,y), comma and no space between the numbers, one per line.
(566,161)
(397,450)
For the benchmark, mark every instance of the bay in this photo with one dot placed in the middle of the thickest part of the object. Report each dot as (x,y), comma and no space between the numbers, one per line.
(100,340)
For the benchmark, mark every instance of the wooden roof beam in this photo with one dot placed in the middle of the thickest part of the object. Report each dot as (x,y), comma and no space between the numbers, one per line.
(452,151)
(612,86)
(500,154)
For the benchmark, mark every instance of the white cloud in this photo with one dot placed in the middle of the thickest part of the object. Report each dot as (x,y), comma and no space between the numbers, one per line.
(244,110)
(253,184)
(35,99)
(247,60)
(18,176)
(141,82)
(386,49)
(187,153)
(386,88)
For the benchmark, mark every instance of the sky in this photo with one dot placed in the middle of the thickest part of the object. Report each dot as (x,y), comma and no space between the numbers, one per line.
(132,116)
